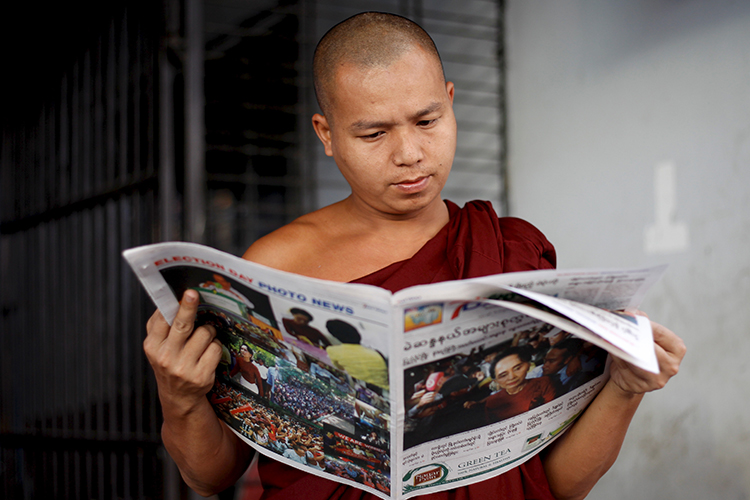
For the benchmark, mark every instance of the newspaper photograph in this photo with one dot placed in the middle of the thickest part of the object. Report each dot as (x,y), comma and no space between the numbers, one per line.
(298,383)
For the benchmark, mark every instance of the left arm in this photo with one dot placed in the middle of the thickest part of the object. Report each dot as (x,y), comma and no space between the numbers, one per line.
(588,449)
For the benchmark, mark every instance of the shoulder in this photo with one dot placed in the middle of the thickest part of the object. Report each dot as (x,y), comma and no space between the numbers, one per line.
(542,383)
(524,246)
(512,228)
(524,242)
(515,229)
(286,247)
(496,398)
(520,244)
(276,248)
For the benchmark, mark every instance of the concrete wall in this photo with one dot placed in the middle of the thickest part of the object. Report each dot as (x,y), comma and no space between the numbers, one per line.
(629,145)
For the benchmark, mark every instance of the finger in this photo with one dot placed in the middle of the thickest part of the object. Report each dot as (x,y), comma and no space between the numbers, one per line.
(670,357)
(196,345)
(157,330)
(634,371)
(211,356)
(157,327)
(632,379)
(668,340)
(638,380)
(182,326)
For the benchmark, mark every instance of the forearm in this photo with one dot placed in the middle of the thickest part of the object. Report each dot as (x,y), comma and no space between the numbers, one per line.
(209,455)
(585,453)
(588,449)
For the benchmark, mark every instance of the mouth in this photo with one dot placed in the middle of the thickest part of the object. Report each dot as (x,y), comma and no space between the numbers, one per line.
(413,185)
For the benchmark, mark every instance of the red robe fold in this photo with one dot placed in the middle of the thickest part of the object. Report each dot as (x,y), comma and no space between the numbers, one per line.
(474,243)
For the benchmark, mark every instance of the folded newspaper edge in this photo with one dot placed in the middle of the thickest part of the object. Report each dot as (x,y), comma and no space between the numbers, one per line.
(408,393)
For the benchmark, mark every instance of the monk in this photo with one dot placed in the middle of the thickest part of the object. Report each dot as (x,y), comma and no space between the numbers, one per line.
(387,120)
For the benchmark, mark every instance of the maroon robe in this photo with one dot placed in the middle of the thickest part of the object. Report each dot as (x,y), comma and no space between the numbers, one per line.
(474,243)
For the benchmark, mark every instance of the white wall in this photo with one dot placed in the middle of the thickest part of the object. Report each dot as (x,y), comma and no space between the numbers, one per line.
(600,93)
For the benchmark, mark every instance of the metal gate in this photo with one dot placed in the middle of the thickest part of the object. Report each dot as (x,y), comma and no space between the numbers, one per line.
(111,154)
(81,179)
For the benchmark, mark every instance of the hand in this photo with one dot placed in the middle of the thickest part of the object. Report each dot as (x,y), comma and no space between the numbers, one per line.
(670,349)
(427,398)
(184,360)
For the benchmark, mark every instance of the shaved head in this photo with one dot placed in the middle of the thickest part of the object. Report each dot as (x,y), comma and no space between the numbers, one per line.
(367,40)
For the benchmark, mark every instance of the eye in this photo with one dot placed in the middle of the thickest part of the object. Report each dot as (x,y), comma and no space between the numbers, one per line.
(426,123)
(374,135)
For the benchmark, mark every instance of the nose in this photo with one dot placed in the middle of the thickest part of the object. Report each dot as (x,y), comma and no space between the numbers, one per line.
(407,149)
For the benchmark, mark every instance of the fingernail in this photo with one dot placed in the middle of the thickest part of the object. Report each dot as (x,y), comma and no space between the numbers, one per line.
(190,296)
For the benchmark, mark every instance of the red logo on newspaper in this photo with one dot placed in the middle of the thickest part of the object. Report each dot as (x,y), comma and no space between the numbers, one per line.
(467,306)
(428,475)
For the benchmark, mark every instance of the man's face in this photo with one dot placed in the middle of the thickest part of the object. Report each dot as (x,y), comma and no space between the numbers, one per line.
(300,319)
(392,132)
(510,373)
(554,361)
(557,337)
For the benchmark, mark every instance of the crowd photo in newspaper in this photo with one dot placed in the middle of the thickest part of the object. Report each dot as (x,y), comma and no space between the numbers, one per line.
(288,385)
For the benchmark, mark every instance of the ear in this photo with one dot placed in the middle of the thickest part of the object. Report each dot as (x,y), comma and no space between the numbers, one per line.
(450,89)
(323,129)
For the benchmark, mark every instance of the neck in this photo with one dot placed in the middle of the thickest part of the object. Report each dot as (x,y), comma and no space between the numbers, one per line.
(427,220)
(516,389)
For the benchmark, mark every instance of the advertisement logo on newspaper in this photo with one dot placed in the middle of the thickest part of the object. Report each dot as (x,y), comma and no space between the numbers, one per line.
(475,309)
(421,316)
(426,475)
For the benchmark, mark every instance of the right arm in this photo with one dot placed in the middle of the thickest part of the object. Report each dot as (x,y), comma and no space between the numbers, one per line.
(582,455)
(209,455)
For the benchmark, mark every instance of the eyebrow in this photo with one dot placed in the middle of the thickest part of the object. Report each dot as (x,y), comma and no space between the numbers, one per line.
(366,125)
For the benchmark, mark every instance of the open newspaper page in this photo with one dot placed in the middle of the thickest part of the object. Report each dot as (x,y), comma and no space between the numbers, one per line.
(304,372)
(486,385)
(401,394)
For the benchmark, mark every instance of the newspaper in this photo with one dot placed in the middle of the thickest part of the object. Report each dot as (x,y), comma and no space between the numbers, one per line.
(430,388)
